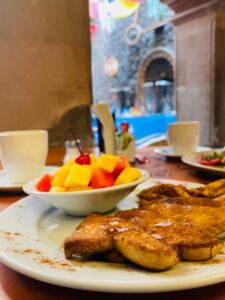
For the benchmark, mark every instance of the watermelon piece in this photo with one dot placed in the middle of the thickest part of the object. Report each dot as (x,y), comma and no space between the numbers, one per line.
(44,184)
(101,179)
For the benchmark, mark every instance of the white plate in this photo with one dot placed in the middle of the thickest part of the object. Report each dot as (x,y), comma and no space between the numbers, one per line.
(31,237)
(191,159)
(166,152)
(6,185)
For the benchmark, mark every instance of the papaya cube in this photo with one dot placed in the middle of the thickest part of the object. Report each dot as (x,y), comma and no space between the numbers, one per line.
(61,174)
(79,175)
(107,162)
(129,174)
(57,189)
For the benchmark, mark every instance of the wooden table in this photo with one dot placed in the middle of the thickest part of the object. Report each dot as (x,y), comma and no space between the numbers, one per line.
(14,286)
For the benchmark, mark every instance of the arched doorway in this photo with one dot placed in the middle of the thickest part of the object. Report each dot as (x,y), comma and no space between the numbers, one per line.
(156,83)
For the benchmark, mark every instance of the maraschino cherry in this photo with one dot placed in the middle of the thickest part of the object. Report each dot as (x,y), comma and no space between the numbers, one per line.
(83,158)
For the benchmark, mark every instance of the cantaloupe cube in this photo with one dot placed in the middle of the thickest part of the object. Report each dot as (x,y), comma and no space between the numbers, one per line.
(129,174)
(57,189)
(107,162)
(79,175)
(61,174)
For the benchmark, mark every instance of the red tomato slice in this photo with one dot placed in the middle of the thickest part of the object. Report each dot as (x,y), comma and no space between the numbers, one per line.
(212,162)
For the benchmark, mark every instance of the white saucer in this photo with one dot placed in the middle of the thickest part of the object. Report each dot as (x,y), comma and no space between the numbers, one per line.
(167,152)
(6,185)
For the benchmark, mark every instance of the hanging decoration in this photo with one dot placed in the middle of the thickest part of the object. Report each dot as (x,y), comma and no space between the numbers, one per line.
(111,66)
(123,8)
(129,3)
(93,30)
(115,8)
(140,1)
(157,11)
(93,9)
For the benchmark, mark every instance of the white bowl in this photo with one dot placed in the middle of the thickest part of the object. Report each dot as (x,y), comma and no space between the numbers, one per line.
(81,203)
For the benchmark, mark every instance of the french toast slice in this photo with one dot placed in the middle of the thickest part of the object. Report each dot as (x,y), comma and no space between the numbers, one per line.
(102,234)
(211,190)
(146,251)
(190,229)
(167,191)
(95,235)
(200,252)
(164,190)
(192,244)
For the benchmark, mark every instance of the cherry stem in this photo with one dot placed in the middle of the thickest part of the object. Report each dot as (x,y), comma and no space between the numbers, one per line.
(76,140)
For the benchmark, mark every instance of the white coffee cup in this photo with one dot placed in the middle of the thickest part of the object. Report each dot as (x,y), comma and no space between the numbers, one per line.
(183,137)
(23,154)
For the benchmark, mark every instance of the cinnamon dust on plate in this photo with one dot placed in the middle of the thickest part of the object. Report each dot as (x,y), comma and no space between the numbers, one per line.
(35,254)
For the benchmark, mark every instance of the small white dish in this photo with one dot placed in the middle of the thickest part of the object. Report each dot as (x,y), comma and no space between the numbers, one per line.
(167,152)
(31,237)
(81,203)
(6,185)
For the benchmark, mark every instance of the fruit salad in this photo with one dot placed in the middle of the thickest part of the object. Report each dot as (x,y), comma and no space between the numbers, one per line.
(87,172)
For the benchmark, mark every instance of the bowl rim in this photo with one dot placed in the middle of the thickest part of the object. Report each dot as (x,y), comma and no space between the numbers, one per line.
(29,187)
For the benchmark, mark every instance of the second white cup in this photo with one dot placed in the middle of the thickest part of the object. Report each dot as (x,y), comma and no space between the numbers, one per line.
(23,154)
(183,137)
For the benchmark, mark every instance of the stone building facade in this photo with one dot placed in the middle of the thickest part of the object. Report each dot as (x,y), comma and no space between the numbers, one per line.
(126,86)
